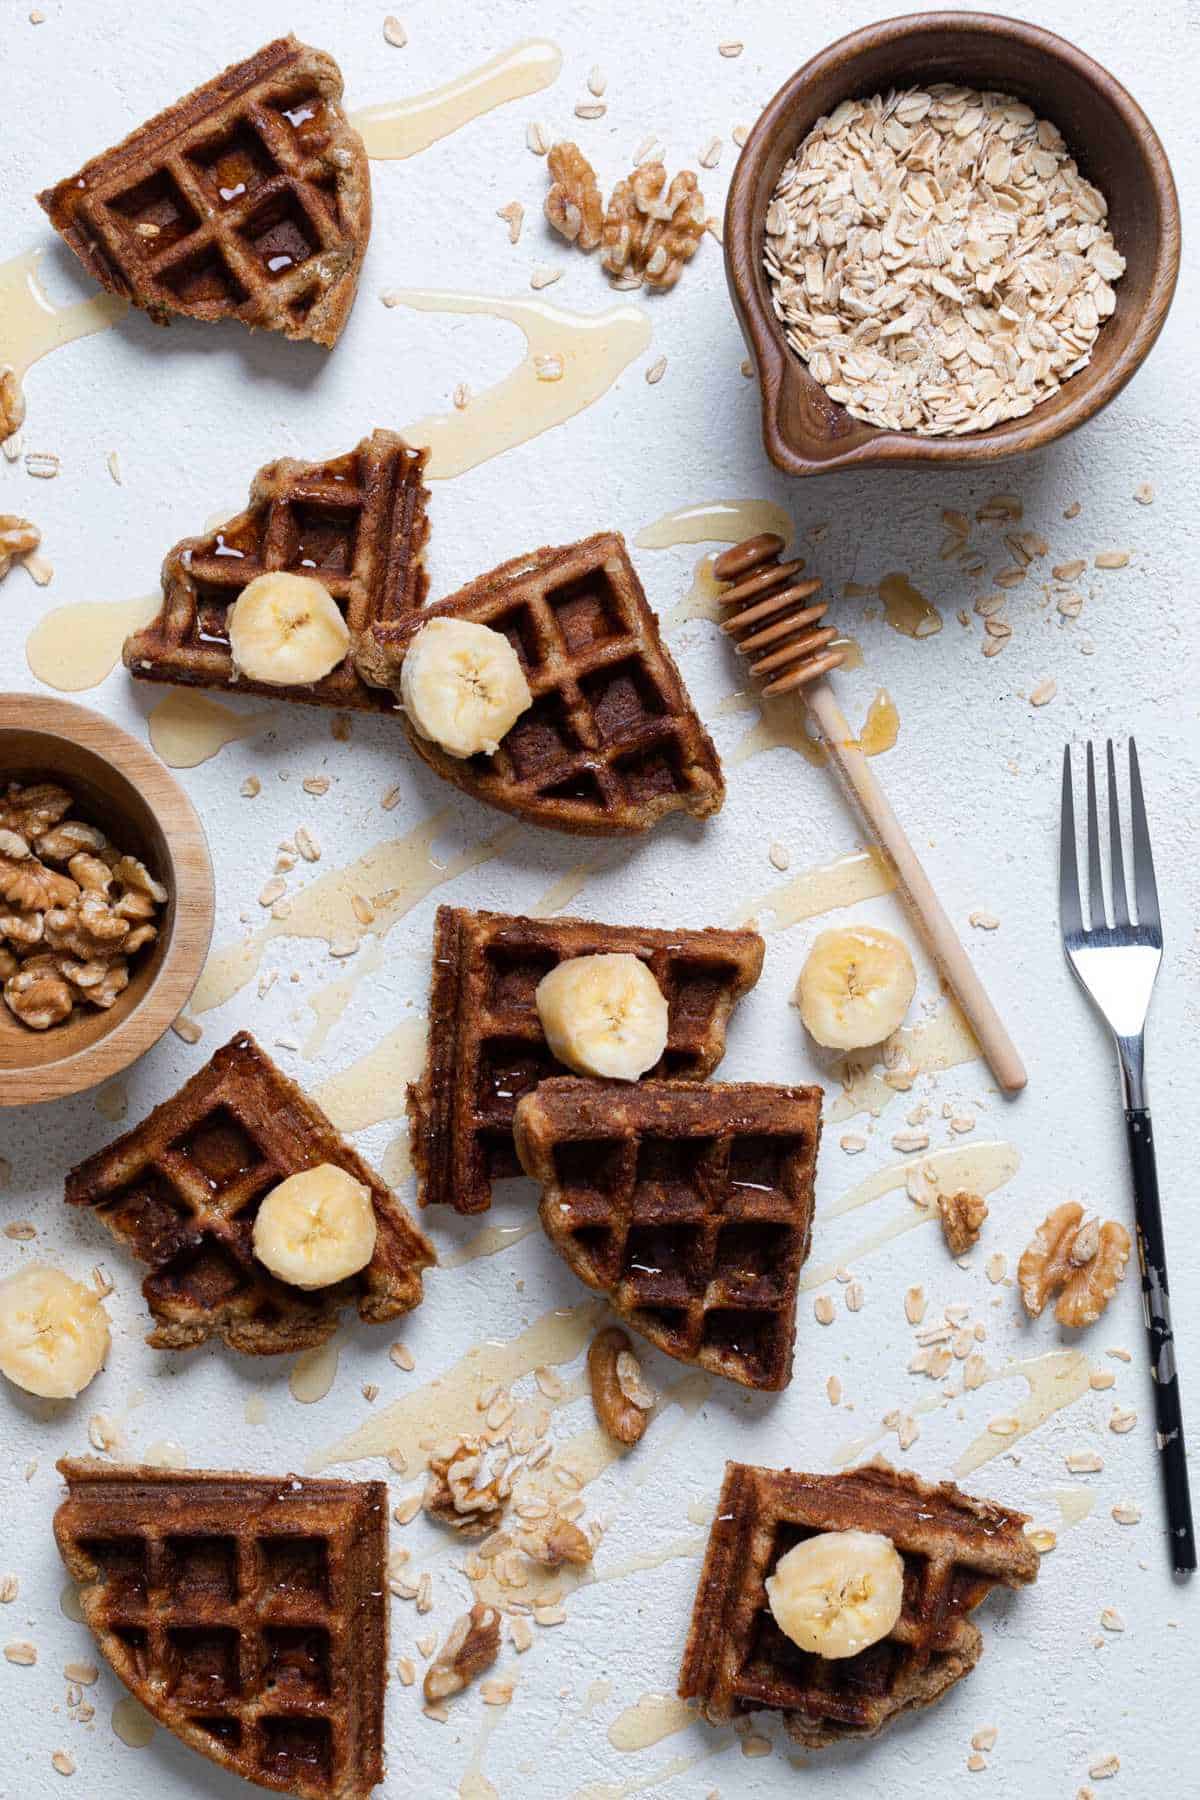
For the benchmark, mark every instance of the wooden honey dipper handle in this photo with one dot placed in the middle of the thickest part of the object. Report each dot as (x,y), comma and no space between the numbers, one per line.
(775,626)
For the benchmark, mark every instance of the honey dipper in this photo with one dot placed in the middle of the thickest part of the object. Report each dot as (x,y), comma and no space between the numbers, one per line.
(770,618)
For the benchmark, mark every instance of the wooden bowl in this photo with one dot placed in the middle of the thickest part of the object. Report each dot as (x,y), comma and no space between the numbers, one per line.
(126,791)
(1116,147)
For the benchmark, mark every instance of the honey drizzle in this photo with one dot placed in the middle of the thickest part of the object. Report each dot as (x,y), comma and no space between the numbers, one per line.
(402,128)
(187,729)
(715,522)
(649,1720)
(77,646)
(314,1372)
(846,881)
(31,324)
(589,349)
(1054,1381)
(373,1087)
(943,1041)
(394,876)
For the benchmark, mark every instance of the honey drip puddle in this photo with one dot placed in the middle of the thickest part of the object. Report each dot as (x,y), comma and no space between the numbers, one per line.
(373,1087)
(571,360)
(393,876)
(31,324)
(650,1720)
(187,729)
(872,1081)
(132,1723)
(314,1372)
(401,128)
(76,647)
(906,609)
(846,881)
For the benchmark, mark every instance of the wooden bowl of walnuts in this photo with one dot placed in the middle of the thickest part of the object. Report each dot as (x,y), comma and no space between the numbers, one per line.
(106,899)
(857,269)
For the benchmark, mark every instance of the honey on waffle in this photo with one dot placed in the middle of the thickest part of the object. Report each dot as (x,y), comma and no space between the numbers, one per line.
(182,1191)
(486,1045)
(357,524)
(955,1549)
(611,743)
(247,1613)
(249,198)
(690,1207)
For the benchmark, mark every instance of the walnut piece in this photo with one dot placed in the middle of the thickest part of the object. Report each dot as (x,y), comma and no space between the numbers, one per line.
(562,1542)
(38,995)
(574,206)
(12,402)
(962,1217)
(27,883)
(17,536)
(651,229)
(472,1645)
(1084,1263)
(621,1415)
(33,810)
(453,1496)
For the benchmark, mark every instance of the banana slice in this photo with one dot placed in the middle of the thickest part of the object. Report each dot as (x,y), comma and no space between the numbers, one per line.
(286,630)
(463,686)
(855,987)
(604,1015)
(838,1593)
(316,1228)
(53,1332)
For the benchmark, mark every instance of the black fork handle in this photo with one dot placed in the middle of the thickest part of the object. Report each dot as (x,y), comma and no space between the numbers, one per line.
(1156,1305)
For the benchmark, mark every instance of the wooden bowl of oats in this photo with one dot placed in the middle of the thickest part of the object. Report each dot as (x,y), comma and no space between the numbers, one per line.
(100,848)
(950,238)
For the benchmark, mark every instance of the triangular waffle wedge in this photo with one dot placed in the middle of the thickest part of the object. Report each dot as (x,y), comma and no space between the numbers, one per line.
(689,1206)
(612,742)
(955,1550)
(486,1045)
(357,524)
(247,199)
(182,1191)
(248,1613)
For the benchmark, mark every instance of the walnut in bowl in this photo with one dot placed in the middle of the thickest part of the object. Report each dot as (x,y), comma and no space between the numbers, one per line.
(106,899)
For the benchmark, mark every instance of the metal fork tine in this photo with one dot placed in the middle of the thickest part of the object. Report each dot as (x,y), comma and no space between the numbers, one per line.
(1145,886)
(1120,901)
(1097,916)
(1070,913)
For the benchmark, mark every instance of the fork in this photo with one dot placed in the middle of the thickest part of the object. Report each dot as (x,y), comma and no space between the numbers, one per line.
(1116,966)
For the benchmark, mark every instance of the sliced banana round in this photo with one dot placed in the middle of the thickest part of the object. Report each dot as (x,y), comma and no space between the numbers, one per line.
(604,1015)
(462,685)
(855,987)
(316,1228)
(53,1332)
(286,630)
(839,1592)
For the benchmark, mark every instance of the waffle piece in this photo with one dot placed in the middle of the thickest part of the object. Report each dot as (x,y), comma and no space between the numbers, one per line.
(358,524)
(690,1207)
(955,1550)
(248,1613)
(612,742)
(182,1190)
(248,199)
(486,1046)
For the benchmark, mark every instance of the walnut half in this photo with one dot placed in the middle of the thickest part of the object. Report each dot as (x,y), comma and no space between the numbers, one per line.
(472,1645)
(1083,1263)
(651,229)
(620,1396)
(574,205)
(452,1495)
(962,1217)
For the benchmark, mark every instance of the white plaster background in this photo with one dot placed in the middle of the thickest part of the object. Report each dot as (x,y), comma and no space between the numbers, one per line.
(193,412)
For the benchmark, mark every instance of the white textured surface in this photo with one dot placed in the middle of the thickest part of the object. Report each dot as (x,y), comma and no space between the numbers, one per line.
(192,413)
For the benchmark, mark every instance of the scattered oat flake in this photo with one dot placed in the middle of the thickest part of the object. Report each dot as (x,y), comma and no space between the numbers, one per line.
(1069,571)
(307,844)
(590,109)
(251,788)
(1123,1419)
(537,138)
(833,1387)
(1005,1425)
(1104,1768)
(43,465)
(656,371)
(188,1029)
(22,1653)
(1105,559)
(394,32)
(1126,1512)
(22,1230)
(976,1763)
(514,217)
(544,276)
(597,80)
(855,1297)
(1111,1619)
(852,1142)
(62,1762)
(1083,1462)
(315,784)
(1099,1379)
(996,1267)
(731,48)
(985,1738)
(10,1587)
(1144,494)
(406,1512)
(1044,692)
(754,1744)
(461,397)
(548,367)
(914,1305)
(739,134)
(710,156)
(824,1309)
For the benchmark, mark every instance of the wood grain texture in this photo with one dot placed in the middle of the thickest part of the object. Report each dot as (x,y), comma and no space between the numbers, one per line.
(124,789)
(1116,147)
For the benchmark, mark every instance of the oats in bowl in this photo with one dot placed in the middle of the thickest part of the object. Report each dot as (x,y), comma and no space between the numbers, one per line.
(937,259)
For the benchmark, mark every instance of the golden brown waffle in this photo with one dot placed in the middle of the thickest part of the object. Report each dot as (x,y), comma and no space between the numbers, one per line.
(486,1046)
(955,1550)
(248,1613)
(358,524)
(182,1191)
(248,199)
(612,742)
(690,1207)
